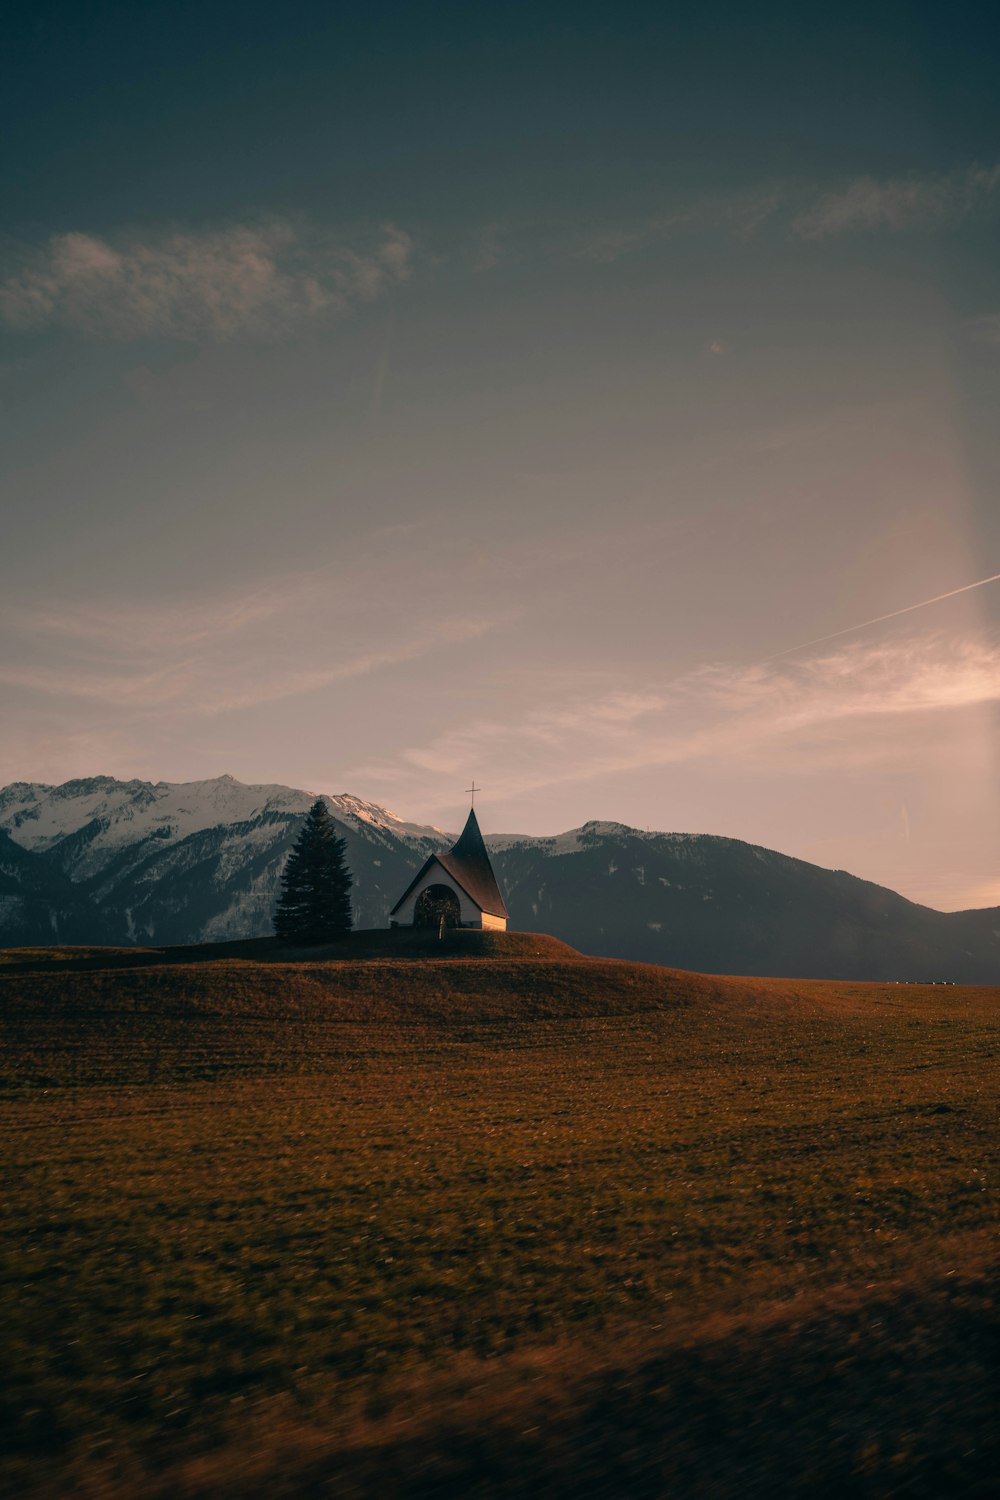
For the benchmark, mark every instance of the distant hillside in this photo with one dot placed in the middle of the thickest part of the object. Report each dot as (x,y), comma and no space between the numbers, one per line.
(104,861)
(722,906)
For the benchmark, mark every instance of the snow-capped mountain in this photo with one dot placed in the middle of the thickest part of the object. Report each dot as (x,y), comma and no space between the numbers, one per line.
(184,862)
(106,861)
(112,813)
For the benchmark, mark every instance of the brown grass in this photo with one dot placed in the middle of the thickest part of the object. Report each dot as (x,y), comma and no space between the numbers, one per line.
(509,1224)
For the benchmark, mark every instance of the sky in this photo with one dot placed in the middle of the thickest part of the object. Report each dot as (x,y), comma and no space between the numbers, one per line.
(555,395)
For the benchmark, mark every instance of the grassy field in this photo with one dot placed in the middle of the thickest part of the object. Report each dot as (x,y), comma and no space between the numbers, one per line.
(501,1221)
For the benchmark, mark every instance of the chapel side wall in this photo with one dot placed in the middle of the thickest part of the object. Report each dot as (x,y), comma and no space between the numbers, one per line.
(469,913)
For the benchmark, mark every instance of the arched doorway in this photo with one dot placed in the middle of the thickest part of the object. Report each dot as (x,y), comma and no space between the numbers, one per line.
(435,902)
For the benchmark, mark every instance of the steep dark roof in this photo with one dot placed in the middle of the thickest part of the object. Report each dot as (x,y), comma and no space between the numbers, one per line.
(468,864)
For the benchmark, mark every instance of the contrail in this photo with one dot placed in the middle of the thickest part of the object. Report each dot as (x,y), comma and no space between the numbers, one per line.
(892,615)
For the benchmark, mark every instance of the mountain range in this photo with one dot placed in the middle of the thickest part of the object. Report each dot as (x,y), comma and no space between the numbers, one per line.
(105,861)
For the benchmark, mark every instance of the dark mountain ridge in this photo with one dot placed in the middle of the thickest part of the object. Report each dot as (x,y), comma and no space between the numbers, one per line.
(102,861)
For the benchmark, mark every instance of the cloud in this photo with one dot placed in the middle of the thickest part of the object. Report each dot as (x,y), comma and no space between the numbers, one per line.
(985,330)
(264,278)
(739,215)
(899,203)
(125,629)
(861,705)
(486,250)
(212,284)
(866,203)
(214,682)
(913,676)
(202,658)
(454,630)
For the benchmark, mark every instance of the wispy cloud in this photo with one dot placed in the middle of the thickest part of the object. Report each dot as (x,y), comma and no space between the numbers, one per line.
(917,675)
(861,704)
(213,682)
(451,631)
(268,277)
(486,249)
(213,284)
(738,214)
(898,203)
(202,658)
(128,627)
(986,329)
(917,201)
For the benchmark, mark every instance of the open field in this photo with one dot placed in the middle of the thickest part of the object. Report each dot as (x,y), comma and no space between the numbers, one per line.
(509,1221)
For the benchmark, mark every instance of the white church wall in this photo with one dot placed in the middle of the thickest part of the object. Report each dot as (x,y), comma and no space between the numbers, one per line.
(469,913)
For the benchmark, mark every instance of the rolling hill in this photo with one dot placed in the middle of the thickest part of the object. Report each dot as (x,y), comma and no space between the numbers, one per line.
(504,1220)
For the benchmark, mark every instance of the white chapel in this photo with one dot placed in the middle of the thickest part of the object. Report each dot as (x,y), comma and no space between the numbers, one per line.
(458,886)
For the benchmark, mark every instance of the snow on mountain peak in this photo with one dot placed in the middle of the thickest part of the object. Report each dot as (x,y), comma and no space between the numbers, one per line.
(39,816)
(110,814)
(375,816)
(565,843)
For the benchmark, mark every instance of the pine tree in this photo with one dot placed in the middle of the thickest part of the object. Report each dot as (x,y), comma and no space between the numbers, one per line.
(315,901)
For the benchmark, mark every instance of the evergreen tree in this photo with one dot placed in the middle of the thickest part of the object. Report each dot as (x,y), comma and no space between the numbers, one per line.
(315,901)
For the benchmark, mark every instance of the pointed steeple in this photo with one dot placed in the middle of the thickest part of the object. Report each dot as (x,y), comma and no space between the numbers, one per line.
(469,844)
(468,862)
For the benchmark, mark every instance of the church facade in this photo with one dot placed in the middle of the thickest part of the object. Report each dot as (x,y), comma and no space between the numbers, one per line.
(458,886)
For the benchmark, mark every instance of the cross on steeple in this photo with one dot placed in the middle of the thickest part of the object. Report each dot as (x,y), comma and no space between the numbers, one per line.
(472,790)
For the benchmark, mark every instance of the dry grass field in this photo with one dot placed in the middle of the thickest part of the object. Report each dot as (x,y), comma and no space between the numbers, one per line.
(492,1220)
